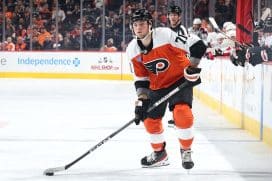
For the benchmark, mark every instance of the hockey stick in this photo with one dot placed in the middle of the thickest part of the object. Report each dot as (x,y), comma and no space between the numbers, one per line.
(244,29)
(217,29)
(51,171)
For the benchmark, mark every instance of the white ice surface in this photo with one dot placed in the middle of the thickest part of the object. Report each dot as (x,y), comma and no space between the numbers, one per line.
(49,123)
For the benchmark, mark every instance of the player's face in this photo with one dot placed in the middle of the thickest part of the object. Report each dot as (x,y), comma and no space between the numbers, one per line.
(174,19)
(140,28)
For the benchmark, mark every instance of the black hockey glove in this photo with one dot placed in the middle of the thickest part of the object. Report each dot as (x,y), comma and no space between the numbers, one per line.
(141,106)
(234,59)
(239,57)
(192,73)
(218,52)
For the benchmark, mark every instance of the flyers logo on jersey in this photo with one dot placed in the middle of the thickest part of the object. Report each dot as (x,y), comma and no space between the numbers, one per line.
(157,66)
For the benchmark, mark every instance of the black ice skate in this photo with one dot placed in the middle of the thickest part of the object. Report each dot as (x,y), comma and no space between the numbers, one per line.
(187,162)
(171,123)
(156,159)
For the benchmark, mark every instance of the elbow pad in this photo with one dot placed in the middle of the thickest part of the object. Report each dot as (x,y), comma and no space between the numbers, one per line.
(198,49)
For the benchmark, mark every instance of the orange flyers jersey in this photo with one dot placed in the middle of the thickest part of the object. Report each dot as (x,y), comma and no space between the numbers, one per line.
(164,64)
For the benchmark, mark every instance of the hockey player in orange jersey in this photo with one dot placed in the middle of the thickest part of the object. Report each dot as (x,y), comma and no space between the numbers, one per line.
(160,62)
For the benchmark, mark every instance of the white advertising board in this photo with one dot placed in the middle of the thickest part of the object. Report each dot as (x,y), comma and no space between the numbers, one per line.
(211,78)
(232,84)
(62,62)
(267,95)
(252,91)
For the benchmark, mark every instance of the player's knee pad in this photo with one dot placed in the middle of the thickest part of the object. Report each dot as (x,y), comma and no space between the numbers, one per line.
(183,116)
(153,126)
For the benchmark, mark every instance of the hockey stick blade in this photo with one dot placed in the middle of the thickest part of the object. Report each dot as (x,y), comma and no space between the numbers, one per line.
(51,171)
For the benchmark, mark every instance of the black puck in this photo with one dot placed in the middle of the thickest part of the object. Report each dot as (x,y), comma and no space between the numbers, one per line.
(49,173)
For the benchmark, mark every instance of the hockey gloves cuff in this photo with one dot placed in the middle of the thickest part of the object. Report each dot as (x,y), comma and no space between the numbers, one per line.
(192,74)
(141,106)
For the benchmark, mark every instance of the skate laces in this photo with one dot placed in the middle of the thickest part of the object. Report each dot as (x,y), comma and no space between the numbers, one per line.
(153,156)
(186,155)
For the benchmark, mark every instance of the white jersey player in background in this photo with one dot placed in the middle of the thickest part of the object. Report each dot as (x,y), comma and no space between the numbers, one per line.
(174,17)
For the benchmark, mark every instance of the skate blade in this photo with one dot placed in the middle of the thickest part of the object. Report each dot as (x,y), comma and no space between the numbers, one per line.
(162,163)
(171,126)
(188,169)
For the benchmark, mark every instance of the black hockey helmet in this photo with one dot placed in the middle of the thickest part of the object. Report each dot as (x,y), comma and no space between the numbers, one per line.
(175,9)
(140,14)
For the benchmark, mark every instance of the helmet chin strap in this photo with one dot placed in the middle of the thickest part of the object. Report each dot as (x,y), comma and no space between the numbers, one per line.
(145,37)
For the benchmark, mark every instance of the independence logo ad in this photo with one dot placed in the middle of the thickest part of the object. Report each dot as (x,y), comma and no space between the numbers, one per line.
(49,61)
